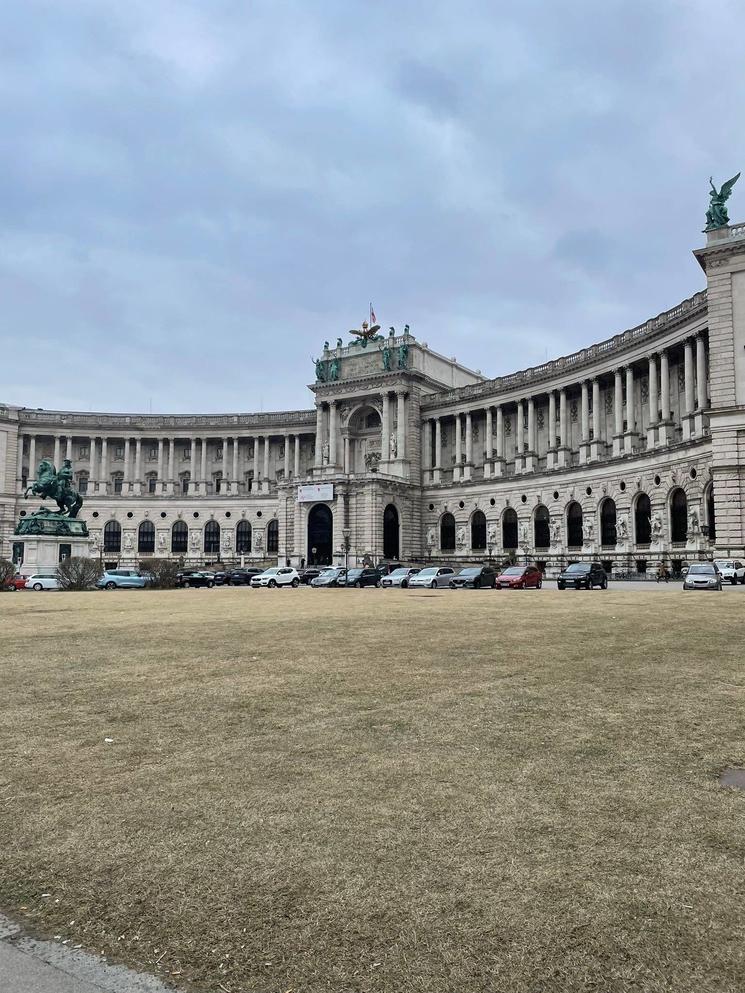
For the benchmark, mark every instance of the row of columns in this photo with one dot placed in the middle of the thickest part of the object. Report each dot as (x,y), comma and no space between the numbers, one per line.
(327,433)
(659,430)
(100,465)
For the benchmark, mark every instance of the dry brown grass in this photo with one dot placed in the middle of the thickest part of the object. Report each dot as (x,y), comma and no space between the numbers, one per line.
(343,790)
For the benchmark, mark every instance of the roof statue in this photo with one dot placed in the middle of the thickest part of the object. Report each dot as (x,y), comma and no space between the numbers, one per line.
(366,334)
(716,215)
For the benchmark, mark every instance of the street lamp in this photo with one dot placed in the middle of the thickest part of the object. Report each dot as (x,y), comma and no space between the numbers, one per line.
(346,534)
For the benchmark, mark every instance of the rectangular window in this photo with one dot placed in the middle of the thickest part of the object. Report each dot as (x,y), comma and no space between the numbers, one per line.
(65,551)
(152,482)
(119,452)
(18,552)
(218,455)
(152,454)
(83,452)
(187,453)
(83,485)
(118,483)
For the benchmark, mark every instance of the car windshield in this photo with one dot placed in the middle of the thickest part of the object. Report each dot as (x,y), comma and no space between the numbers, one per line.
(271,572)
(399,572)
(514,570)
(721,564)
(428,572)
(579,567)
(470,572)
(702,570)
(355,572)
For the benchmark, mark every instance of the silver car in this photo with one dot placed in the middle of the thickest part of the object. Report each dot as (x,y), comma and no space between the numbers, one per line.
(433,577)
(398,579)
(731,570)
(703,576)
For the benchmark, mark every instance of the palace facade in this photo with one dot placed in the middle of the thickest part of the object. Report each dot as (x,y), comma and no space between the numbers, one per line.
(631,451)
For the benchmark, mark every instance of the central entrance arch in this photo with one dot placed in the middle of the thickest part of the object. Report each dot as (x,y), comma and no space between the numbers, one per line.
(320,535)
(390,532)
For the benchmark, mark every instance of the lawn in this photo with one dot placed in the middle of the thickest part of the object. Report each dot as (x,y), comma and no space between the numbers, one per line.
(376,790)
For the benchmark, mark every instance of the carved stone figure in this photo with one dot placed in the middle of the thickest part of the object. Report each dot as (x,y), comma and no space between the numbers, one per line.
(524,535)
(555,532)
(258,540)
(226,541)
(403,354)
(339,343)
(491,535)
(460,537)
(393,445)
(325,453)
(716,215)
(320,370)
(162,541)
(334,369)
(128,543)
(372,459)
(622,529)
(588,529)
(194,540)
(693,527)
(431,537)
(656,527)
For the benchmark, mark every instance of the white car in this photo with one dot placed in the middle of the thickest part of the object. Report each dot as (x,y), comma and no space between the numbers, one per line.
(732,571)
(399,578)
(433,577)
(277,576)
(42,581)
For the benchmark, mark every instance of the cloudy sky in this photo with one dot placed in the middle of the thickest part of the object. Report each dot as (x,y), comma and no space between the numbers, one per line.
(194,195)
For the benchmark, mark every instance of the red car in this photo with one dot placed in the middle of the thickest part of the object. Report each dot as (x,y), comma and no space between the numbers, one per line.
(15,583)
(520,577)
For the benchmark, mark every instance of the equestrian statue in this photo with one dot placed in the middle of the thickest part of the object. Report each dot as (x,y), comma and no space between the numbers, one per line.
(57,486)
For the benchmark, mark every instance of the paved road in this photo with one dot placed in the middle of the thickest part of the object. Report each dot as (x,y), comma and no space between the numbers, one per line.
(31,966)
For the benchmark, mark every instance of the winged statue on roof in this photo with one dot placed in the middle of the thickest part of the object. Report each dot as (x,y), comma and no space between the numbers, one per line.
(716,215)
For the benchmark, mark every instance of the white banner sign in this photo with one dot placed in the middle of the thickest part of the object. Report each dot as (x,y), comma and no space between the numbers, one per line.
(315,492)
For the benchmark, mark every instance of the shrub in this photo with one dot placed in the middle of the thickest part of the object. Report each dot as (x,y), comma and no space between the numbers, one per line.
(7,571)
(163,572)
(78,573)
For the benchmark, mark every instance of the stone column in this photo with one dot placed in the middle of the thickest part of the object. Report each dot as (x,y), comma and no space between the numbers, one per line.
(584,443)
(19,461)
(32,457)
(332,434)
(171,482)
(160,488)
(92,467)
(56,451)
(126,478)
(701,386)
(194,475)
(499,461)
(530,456)
(401,424)
(562,455)
(519,432)
(138,466)
(551,453)
(469,446)
(458,466)
(689,390)
(265,479)
(489,440)
(257,442)
(103,481)
(629,438)
(319,436)
(617,412)
(427,451)
(202,487)
(596,446)
(68,447)
(653,402)
(385,441)
(665,431)
(297,456)
(225,487)
(235,482)
(346,454)
(437,471)
(287,457)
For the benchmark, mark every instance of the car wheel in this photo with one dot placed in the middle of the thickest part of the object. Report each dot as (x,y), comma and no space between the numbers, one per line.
(295,583)
(358,585)
(272,584)
(433,585)
(38,587)
(110,586)
(404,584)
(604,585)
(539,584)
(378,585)
(186,584)
(210,584)
(733,581)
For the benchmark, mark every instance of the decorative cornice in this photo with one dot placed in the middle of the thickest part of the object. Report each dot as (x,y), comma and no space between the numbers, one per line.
(185,423)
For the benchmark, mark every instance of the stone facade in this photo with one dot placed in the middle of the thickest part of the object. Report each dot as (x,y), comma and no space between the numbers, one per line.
(631,451)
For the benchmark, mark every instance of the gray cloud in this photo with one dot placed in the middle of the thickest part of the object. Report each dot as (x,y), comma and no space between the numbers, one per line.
(196,196)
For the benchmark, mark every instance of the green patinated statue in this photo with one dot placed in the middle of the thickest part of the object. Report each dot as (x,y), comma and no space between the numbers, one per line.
(403,355)
(716,215)
(320,370)
(387,355)
(54,485)
(334,369)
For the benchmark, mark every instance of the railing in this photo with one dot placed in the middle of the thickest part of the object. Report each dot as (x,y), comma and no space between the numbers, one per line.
(95,422)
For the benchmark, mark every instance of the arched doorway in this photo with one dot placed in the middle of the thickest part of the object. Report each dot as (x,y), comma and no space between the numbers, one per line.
(642,520)
(541,530)
(447,533)
(320,535)
(608,522)
(478,531)
(390,533)
(509,529)
(678,516)
(574,525)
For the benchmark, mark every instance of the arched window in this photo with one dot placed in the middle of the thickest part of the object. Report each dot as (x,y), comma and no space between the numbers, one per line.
(678,516)
(711,520)
(390,531)
(243,538)
(642,520)
(180,537)
(509,528)
(211,538)
(541,529)
(478,531)
(146,537)
(272,537)
(112,536)
(608,522)
(574,525)
(447,533)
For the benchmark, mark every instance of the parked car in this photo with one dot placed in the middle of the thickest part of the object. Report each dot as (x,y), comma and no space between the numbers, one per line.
(193,577)
(581,575)
(398,579)
(276,576)
(361,577)
(15,583)
(328,577)
(387,568)
(221,577)
(520,577)
(433,577)
(243,577)
(306,575)
(731,570)
(703,576)
(474,578)
(122,579)
(42,581)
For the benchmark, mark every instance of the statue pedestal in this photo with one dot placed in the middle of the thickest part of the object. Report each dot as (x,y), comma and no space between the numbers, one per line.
(44,552)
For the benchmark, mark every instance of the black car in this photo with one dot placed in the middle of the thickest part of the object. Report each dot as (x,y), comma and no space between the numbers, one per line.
(221,578)
(307,574)
(242,577)
(361,577)
(474,578)
(583,575)
(193,577)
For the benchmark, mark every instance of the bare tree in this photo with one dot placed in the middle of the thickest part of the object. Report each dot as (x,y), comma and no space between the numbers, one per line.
(163,572)
(78,573)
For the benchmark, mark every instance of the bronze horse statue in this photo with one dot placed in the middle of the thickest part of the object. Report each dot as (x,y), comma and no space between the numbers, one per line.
(57,486)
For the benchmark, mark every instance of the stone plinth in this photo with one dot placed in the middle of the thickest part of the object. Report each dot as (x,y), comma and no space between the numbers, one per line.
(43,552)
